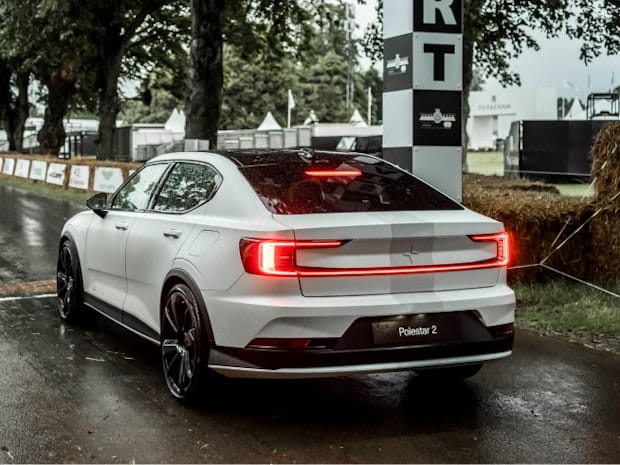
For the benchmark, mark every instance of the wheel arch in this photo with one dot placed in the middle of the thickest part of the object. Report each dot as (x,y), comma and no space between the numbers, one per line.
(178,276)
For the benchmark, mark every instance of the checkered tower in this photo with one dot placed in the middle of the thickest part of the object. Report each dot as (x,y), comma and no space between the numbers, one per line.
(423,90)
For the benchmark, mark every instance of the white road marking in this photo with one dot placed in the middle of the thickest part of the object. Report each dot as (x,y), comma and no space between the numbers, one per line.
(27,297)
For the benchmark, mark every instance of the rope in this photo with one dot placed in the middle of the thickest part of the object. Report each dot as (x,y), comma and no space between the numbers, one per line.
(594,286)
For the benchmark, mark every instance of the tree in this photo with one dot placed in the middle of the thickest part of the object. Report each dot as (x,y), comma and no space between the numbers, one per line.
(80,49)
(251,25)
(167,87)
(126,36)
(14,105)
(43,36)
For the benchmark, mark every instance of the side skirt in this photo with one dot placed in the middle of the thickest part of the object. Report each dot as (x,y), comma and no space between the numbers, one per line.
(121,318)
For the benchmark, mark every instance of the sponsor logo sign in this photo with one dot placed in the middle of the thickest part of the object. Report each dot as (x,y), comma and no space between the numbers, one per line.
(22,168)
(107,179)
(56,174)
(38,170)
(8,167)
(79,177)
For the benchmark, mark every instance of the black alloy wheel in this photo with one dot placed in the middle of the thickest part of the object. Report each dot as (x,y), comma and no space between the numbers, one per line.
(69,282)
(183,344)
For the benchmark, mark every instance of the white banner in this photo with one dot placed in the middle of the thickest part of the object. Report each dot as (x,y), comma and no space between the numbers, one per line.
(38,170)
(9,166)
(80,175)
(22,169)
(56,174)
(107,179)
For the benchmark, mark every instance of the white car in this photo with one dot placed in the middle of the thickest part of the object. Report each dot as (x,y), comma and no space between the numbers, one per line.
(290,264)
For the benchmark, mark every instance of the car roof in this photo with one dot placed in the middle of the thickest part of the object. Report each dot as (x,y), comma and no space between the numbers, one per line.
(255,157)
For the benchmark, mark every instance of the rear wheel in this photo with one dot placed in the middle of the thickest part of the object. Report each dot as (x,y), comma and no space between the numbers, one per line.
(451,373)
(69,283)
(184,345)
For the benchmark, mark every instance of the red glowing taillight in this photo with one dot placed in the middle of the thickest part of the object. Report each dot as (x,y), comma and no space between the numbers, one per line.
(277,258)
(348,173)
(502,257)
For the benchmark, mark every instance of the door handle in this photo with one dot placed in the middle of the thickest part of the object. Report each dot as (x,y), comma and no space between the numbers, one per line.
(122,226)
(173,233)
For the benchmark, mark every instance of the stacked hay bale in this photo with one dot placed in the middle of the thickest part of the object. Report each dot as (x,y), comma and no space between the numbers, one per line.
(538,220)
(605,227)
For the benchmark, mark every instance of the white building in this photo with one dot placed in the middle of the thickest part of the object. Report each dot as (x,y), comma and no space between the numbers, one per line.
(492,112)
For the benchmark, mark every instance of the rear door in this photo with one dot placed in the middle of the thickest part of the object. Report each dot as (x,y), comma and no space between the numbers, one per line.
(158,235)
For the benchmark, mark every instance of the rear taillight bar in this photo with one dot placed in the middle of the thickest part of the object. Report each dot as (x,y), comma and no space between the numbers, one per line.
(279,258)
(502,256)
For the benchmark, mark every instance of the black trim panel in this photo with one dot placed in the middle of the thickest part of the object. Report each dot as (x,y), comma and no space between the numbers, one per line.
(122,318)
(357,347)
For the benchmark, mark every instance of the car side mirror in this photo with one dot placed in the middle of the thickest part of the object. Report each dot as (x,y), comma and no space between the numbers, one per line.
(99,204)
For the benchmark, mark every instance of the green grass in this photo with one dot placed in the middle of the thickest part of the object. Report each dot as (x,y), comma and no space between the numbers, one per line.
(486,163)
(46,190)
(568,308)
(575,190)
(492,164)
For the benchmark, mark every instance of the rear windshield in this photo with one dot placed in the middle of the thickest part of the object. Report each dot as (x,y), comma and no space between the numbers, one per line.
(337,183)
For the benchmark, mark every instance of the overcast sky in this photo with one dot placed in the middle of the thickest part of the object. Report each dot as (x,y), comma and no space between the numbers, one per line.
(556,62)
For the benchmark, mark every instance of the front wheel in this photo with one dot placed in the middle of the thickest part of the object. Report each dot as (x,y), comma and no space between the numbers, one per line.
(69,283)
(450,373)
(184,345)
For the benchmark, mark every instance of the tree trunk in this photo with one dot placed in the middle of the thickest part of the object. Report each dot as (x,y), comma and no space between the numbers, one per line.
(19,113)
(203,104)
(60,89)
(109,107)
(5,95)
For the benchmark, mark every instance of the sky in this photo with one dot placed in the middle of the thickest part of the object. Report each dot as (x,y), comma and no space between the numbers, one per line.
(556,63)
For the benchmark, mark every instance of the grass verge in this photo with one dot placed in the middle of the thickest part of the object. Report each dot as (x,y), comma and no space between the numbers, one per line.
(571,310)
(46,190)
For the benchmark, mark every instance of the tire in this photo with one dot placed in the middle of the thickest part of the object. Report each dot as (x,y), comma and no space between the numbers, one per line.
(184,345)
(451,373)
(69,287)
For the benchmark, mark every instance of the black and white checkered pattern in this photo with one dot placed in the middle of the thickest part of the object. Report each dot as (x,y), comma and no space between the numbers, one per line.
(423,98)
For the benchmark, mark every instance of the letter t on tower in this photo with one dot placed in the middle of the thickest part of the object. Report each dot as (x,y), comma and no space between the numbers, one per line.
(423,90)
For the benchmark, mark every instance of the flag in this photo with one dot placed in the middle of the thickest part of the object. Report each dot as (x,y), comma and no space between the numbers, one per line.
(291,100)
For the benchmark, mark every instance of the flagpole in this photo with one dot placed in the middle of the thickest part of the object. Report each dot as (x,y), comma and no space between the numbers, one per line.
(370,106)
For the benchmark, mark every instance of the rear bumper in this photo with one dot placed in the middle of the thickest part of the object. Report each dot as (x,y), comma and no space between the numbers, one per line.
(354,353)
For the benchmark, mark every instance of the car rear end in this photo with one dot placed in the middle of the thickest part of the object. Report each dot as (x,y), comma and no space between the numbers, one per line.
(377,272)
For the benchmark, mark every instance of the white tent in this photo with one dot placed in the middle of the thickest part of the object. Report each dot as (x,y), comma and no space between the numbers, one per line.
(357,120)
(576,111)
(269,124)
(176,122)
(311,119)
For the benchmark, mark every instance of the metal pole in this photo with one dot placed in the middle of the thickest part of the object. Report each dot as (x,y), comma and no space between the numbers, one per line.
(370,106)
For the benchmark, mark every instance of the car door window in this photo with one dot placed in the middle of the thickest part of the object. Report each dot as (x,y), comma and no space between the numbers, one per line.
(187,186)
(136,193)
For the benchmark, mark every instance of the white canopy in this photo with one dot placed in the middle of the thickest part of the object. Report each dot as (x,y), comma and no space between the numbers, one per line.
(576,111)
(311,119)
(176,122)
(269,123)
(357,120)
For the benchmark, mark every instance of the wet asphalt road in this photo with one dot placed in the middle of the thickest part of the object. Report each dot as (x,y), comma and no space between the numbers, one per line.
(95,394)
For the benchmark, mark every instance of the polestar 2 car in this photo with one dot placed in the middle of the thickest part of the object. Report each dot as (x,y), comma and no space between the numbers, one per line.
(290,264)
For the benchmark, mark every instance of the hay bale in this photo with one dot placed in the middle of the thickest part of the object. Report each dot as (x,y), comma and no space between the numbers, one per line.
(604,228)
(537,223)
